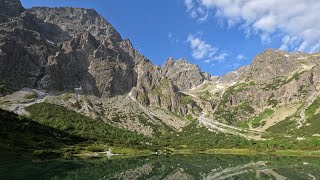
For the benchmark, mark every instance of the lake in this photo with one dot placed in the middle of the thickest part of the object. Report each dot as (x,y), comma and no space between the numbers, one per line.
(164,167)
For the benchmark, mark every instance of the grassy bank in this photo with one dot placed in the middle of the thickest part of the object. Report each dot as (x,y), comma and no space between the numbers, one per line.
(249,152)
(300,153)
(54,131)
(121,152)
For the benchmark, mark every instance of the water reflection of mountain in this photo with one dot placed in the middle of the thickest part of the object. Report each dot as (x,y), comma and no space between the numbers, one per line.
(171,167)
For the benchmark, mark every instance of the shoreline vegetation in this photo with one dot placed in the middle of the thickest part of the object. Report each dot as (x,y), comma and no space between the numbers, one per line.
(222,151)
(52,131)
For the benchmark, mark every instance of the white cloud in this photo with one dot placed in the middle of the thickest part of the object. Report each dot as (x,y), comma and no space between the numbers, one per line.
(294,21)
(240,57)
(200,48)
(196,10)
(204,51)
(189,4)
(289,42)
(207,61)
(221,57)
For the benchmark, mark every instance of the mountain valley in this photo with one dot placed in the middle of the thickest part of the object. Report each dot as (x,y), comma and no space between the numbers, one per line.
(69,70)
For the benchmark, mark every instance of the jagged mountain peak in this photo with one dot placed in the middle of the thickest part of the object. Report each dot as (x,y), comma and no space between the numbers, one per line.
(170,60)
(181,62)
(127,42)
(183,74)
(10,7)
(271,63)
(60,49)
(74,21)
(235,75)
(67,49)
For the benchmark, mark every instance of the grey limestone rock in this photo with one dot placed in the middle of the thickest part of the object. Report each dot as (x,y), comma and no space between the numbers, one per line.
(183,74)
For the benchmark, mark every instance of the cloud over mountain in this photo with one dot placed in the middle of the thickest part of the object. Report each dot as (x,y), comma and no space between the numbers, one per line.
(294,21)
(204,51)
(200,48)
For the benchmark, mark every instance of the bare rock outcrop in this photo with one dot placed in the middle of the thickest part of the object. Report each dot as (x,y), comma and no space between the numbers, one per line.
(271,64)
(10,8)
(234,76)
(59,49)
(75,21)
(183,74)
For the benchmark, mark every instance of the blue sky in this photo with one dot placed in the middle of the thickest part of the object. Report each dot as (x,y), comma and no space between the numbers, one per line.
(218,35)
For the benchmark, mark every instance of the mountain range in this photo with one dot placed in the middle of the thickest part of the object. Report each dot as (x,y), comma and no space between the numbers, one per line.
(74,58)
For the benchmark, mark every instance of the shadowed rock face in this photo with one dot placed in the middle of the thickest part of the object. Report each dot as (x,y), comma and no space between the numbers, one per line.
(153,88)
(59,49)
(22,53)
(78,48)
(10,7)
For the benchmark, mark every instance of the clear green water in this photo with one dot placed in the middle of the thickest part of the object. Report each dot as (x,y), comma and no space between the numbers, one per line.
(165,167)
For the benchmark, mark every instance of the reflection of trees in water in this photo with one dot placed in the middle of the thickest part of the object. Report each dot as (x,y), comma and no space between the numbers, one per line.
(224,173)
(171,167)
(219,167)
(133,173)
(174,170)
(258,169)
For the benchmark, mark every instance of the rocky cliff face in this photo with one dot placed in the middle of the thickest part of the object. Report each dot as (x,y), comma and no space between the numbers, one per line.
(153,87)
(23,52)
(62,49)
(234,76)
(59,49)
(10,8)
(275,80)
(75,21)
(183,74)
(271,64)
